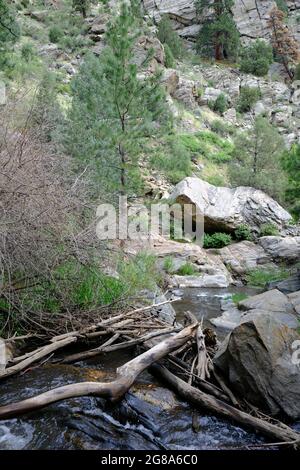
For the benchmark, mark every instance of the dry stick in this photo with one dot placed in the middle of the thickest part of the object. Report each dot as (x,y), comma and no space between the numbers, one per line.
(126,344)
(91,353)
(110,320)
(214,405)
(191,374)
(203,384)
(126,376)
(225,388)
(35,357)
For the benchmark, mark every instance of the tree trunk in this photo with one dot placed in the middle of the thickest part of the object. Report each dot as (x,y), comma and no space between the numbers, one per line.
(280,433)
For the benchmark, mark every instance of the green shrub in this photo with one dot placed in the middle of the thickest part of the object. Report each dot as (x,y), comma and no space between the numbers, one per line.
(268,230)
(282,5)
(169,58)
(168,264)
(191,142)
(297,72)
(260,277)
(243,232)
(173,159)
(247,99)
(222,128)
(216,180)
(256,58)
(186,269)
(221,104)
(55,34)
(169,37)
(216,240)
(28,52)
(238,297)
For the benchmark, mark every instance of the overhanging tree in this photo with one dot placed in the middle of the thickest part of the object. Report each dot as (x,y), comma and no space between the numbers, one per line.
(115,105)
(219,35)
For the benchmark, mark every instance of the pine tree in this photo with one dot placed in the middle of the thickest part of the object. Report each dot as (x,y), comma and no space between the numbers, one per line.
(284,44)
(9,28)
(115,105)
(257,159)
(219,35)
(291,164)
(81,6)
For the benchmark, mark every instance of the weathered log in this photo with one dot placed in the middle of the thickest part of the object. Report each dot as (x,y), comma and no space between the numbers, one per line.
(126,376)
(36,356)
(108,347)
(202,384)
(201,399)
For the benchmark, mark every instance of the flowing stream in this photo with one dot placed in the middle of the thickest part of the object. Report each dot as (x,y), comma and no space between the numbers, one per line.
(149,417)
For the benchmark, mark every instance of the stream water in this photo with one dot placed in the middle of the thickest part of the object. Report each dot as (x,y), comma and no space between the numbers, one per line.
(149,417)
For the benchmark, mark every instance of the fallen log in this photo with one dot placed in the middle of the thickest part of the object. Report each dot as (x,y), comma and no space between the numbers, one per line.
(108,347)
(126,376)
(36,356)
(212,404)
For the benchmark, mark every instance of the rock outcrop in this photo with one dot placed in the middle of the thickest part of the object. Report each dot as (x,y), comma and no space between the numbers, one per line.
(251,16)
(224,209)
(242,256)
(256,359)
(284,309)
(282,248)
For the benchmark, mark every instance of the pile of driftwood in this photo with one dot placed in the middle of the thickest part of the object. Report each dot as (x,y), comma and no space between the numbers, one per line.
(181,356)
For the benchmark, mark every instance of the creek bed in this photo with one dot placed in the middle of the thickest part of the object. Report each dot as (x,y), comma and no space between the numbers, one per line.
(149,417)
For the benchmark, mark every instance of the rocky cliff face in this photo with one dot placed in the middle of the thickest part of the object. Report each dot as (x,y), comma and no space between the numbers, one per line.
(251,16)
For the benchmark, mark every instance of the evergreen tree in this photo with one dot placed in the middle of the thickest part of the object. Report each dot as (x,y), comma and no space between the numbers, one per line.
(9,28)
(219,35)
(284,44)
(256,58)
(257,159)
(291,164)
(115,105)
(81,6)
(169,37)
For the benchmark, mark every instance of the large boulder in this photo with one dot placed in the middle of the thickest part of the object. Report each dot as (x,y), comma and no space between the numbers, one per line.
(271,300)
(242,256)
(285,309)
(224,209)
(282,248)
(256,359)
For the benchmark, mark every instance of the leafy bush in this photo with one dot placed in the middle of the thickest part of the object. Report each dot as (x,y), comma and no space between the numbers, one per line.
(216,240)
(256,58)
(243,232)
(191,142)
(282,5)
(55,34)
(297,72)
(169,58)
(216,180)
(169,37)
(173,159)
(221,104)
(222,128)
(260,277)
(28,52)
(238,297)
(268,230)
(186,269)
(168,264)
(248,97)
